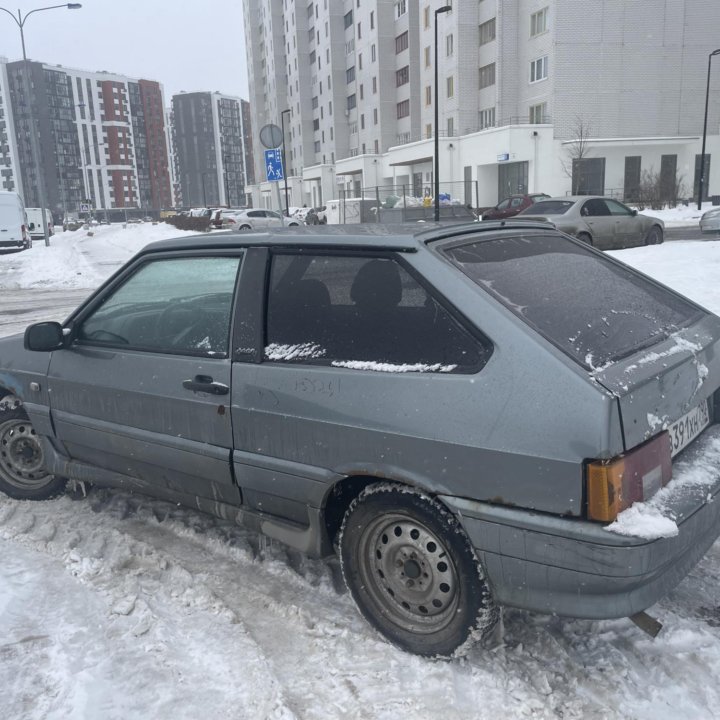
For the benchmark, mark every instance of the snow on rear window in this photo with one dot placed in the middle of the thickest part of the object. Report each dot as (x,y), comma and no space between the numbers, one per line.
(593,309)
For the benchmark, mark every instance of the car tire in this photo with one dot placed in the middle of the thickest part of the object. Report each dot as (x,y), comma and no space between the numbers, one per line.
(586,238)
(245,228)
(413,573)
(22,459)
(655,236)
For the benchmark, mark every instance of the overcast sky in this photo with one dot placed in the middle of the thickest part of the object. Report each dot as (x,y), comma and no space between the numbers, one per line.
(185,45)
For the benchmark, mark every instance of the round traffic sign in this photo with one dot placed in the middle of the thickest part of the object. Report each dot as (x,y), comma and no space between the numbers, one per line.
(271,136)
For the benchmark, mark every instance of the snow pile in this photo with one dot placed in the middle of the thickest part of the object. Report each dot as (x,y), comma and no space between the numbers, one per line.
(680,216)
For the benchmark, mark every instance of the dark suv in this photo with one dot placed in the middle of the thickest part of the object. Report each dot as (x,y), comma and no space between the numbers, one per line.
(472,416)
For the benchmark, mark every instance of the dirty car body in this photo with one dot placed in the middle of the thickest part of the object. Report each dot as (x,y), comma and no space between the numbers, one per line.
(394,393)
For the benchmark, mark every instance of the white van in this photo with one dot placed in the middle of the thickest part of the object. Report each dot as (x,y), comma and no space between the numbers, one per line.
(35,223)
(13,222)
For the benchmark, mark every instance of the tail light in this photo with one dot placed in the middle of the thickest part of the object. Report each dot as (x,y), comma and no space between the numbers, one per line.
(614,485)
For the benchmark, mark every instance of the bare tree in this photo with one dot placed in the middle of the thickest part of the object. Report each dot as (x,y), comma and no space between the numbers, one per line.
(656,191)
(576,151)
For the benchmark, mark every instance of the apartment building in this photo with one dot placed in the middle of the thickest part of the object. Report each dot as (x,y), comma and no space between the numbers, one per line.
(9,179)
(210,144)
(100,138)
(533,95)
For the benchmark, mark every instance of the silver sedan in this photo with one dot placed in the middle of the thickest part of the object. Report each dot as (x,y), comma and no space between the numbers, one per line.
(602,222)
(710,221)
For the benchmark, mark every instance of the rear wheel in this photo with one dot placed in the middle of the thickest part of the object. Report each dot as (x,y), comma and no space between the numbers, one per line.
(413,573)
(585,237)
(22,461)
(655,236)
(245,228)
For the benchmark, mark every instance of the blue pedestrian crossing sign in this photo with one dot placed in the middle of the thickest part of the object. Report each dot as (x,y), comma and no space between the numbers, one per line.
(273,165)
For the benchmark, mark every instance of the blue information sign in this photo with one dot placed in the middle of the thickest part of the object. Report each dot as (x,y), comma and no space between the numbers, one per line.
(273,164)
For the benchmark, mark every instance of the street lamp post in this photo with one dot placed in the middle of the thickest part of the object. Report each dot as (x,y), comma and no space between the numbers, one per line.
(443,9)
(701,184)
(225,178)
(282,123)
(203,175)
(20,21)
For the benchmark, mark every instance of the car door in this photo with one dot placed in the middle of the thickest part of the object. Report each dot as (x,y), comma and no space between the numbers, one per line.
(601,223)
(629,226)
(257,219)
(274,219)
(142,388)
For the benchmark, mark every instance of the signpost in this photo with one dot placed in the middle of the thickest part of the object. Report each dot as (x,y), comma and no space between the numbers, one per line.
(274,165)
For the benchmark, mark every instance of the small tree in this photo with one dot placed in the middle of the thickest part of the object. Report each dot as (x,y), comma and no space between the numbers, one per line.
(656,192)
(577,151)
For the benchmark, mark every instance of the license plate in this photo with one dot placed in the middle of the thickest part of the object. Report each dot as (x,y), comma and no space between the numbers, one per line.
(688,427)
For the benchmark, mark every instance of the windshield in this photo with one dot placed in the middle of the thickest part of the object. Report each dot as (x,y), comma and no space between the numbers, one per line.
(548,207)
(590,307)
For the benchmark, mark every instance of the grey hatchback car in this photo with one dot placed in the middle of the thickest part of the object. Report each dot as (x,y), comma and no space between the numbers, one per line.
(459,412)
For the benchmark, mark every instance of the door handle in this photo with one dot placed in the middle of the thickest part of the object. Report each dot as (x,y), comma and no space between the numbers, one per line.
(204,383)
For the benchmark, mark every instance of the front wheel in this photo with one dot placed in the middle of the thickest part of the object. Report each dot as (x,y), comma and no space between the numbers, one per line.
(413,573)
(655,236)
(22,461)
(245,228)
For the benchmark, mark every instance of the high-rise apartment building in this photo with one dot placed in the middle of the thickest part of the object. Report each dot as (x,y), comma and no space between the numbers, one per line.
(210,133)
(101,137)
(9,180)
(522,86)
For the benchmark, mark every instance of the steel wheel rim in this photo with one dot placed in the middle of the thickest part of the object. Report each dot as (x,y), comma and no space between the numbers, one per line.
(409,573)
(22,460)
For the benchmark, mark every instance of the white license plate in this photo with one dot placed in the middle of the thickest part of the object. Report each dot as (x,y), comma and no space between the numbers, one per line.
(688,427)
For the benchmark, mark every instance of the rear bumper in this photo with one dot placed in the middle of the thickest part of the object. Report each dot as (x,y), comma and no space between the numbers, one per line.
(13,243)
(578,569)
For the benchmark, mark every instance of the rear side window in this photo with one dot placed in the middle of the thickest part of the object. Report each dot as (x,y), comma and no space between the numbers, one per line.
(362,313)
(591,308)
(550,207)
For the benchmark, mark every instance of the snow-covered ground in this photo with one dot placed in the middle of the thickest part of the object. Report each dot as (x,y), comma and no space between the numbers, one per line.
(118,606)
(680,216)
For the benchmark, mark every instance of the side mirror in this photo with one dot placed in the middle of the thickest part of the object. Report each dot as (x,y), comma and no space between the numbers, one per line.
(44,337)
(31,226)
(633,212)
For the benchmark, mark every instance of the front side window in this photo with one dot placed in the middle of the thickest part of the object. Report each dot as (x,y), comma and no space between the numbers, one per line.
(539,69)
(179,306)
(593,309)
(362,313)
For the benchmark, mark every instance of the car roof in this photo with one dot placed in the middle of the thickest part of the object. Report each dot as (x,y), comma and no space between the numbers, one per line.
(407,237)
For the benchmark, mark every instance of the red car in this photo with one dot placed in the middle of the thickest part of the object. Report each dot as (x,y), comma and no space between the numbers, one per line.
(511,206)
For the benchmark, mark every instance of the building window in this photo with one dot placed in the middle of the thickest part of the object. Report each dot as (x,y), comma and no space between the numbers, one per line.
(362,91)
(402,76)
(316,125)
(317,146)
(375,116)
(360,61)
(403,109)
(539,69)
(451,127)
(428,131)
(487,32)
(427,56)
(450,82)
(538,22)
(400,8)
(372,19)
(487,118)
(538,113)
(376,146)
(362,121)
(315,102)
(487,75)
(348,19)
(374,85)
(426,17)
(449,44)
(350,74)
(359,30)
(351,101)
(401,42)
(428,94)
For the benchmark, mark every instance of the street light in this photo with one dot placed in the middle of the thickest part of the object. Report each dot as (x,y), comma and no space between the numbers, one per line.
(20,21)
(282,123)
(702,155)
(443,9)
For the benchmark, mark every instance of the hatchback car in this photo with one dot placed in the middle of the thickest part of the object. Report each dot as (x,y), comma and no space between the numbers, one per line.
(602,222)
(511,206)
(710,221)
(459,412)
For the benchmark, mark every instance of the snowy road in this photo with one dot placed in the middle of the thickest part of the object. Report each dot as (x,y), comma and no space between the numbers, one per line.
(118,606)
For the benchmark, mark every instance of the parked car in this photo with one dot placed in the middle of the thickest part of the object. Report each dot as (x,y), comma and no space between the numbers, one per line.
(257,219)
(13,222)
(602,222)
(460,411)
(710,221)
(35,223)
(316,216)
(511,206)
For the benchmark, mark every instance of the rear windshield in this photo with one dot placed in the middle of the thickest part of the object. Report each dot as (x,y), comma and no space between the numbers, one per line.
(591,308)
(549,207)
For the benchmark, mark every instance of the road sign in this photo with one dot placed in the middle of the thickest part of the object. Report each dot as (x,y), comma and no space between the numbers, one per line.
(84,207)
(271,136)
(273,165)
